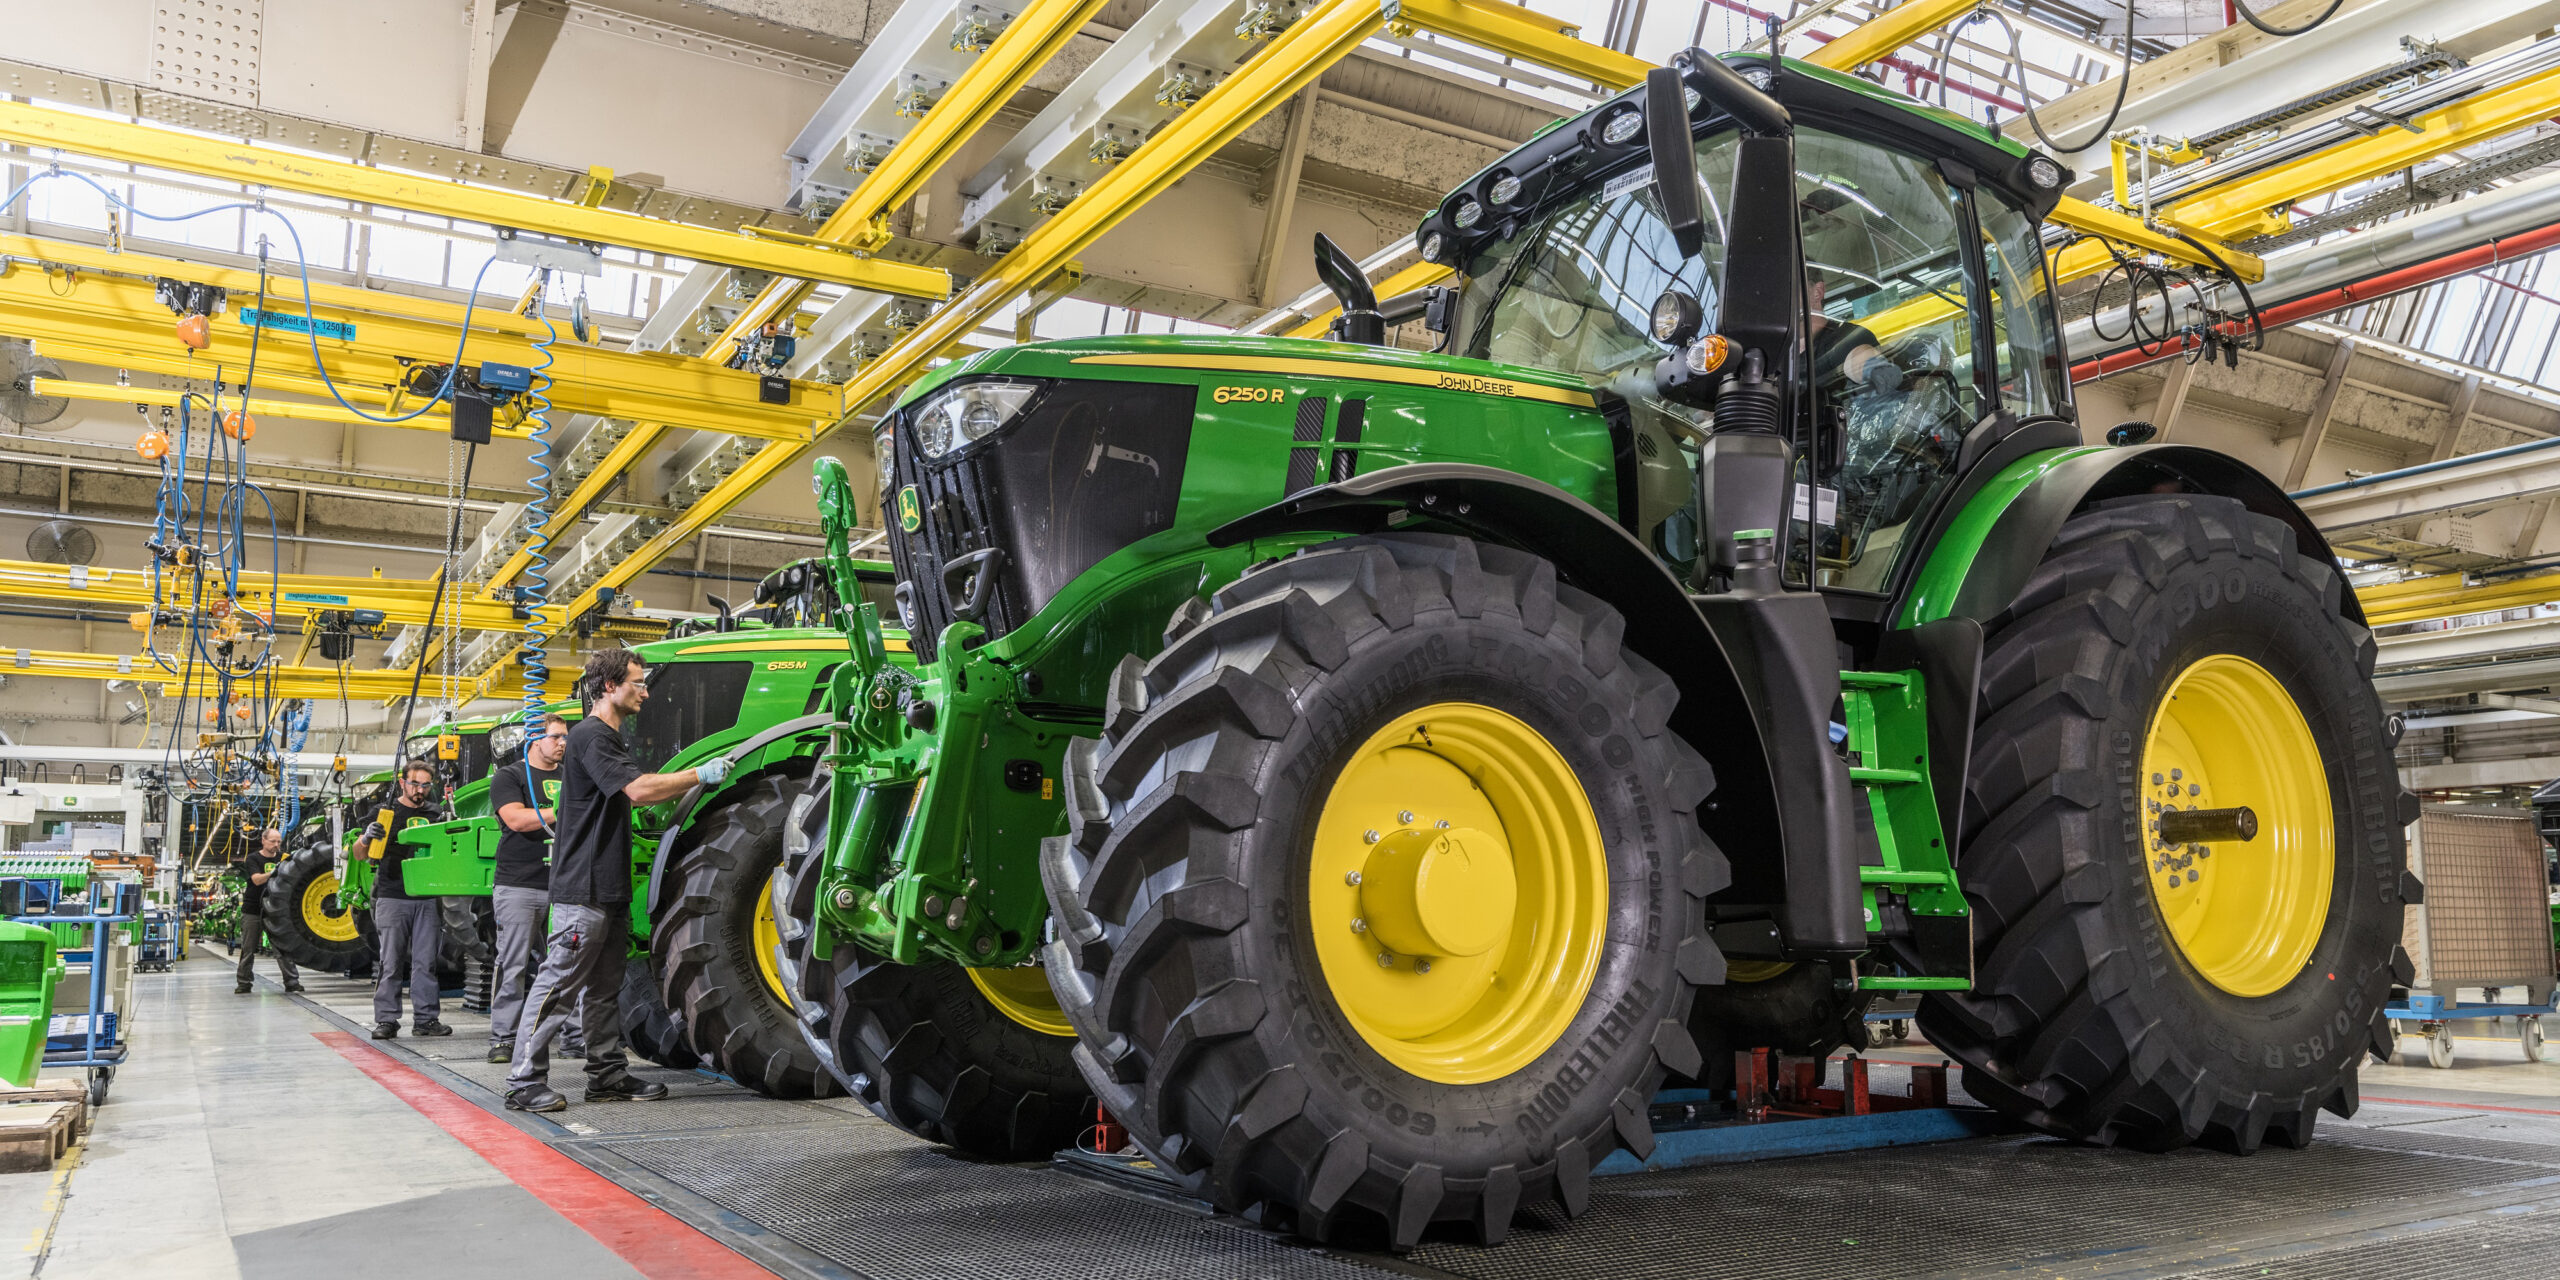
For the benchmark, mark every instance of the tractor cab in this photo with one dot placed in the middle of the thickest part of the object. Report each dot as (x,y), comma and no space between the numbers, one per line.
(1925,306)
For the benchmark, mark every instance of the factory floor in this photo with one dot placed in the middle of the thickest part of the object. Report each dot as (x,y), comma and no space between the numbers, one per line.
(264,1136)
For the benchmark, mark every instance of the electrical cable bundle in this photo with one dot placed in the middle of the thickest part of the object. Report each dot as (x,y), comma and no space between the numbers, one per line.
(2207,330)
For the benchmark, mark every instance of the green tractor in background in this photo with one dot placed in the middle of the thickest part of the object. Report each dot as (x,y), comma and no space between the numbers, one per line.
(1399,764)
(701,986)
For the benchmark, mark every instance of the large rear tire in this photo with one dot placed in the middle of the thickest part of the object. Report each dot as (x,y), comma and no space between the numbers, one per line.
(307,924)
(2133,990)
(975,1060)
(712,939)
(1273,985)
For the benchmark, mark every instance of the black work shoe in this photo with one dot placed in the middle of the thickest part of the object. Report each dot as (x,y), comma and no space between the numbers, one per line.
(432,1027)
(386,1031)
(626,1089)
(537,1097)
(503,1051)
(577,1051)
(293,988)
(241,990)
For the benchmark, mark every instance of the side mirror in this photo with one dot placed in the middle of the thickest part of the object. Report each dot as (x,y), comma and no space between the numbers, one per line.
(1675,159)
(1341,274)
(2135,432)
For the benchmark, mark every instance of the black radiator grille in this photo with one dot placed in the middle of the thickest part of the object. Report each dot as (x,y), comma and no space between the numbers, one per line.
(1085,469)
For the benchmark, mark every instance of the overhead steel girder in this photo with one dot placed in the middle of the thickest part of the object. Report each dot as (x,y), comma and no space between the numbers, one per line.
(228,161)
(2478,677)
(317,683)
(2402,652)
(973,99)
(2259,203)
(1879,36)
(403,602)
(1287,64)
(2451,595)
(2465,484)
(260,407)
(110,312)
(1521,33)
(2088,258)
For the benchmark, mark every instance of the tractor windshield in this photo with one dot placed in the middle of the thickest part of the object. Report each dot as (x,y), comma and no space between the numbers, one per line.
(1889,277)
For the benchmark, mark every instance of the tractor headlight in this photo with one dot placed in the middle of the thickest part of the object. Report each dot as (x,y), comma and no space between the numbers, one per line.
(967,412)
(1621,125)
(2043,172)
(884,449)
(1505,189)
(504,739)
(1466,215)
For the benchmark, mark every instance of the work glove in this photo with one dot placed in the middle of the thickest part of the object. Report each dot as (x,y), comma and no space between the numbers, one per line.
(1882,375)
(372,832)
(713,771)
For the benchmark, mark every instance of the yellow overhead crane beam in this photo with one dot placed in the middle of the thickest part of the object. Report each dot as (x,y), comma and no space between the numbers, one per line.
(2450,595)
(1029,41)
(1880,35)
(225,160)
(261,408)
(100,311)
(2262,202)
(1026,43)
(1291,61)
(316,683)
(292,596)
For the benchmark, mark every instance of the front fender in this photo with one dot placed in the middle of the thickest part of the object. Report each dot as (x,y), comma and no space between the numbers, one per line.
(1991,547)
(741,772)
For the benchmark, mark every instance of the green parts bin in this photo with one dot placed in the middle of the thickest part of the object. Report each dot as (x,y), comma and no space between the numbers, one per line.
(30,968)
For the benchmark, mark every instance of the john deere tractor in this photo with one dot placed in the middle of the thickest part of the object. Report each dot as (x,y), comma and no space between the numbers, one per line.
(1398,764)
(702,986)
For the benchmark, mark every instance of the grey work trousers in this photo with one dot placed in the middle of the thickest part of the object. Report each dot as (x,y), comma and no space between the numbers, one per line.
(411,931)
(253,932)
(581,976)
(522,925)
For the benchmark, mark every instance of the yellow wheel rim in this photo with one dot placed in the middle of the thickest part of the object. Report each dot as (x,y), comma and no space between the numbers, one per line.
(1459,893)
(2246,914)
(1756,970)
(1022,993)
(766,936)
(328,925)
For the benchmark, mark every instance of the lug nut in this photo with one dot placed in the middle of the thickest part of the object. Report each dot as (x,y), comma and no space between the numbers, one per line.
(1359,925)
(1386,960)
(1443,824)
(1422,966)
(1404,817)
(1351,877)
(1370,837)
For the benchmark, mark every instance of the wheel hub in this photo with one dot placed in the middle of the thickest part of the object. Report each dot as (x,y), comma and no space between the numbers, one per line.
(1433,893)
(2238,839)
(1458,892)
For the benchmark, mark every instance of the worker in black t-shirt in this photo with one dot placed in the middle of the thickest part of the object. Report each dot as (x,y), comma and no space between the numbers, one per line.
(591,891)
(410,930)
(254,871)
(525,794)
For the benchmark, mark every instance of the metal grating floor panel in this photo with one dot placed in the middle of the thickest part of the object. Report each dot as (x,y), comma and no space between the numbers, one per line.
(825,1189)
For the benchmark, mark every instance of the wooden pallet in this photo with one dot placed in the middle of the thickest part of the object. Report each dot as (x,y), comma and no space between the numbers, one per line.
(35,1134)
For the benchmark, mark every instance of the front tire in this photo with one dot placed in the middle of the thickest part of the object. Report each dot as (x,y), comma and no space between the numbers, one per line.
(308,924)
(1398,707)
(2133,990)
(712,941)
(977,1060)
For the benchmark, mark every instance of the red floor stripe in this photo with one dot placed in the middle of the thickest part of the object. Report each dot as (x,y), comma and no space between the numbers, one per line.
(656,1244)
(2459,1106)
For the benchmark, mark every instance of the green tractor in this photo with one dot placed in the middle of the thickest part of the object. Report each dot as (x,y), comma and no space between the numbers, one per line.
(1398,764)
(701,985)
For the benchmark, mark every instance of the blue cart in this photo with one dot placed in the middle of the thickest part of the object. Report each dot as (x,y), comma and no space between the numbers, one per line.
(93,1041)
(2435,1015)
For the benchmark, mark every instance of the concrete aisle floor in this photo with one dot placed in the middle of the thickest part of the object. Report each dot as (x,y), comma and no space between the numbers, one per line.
(237,1143)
